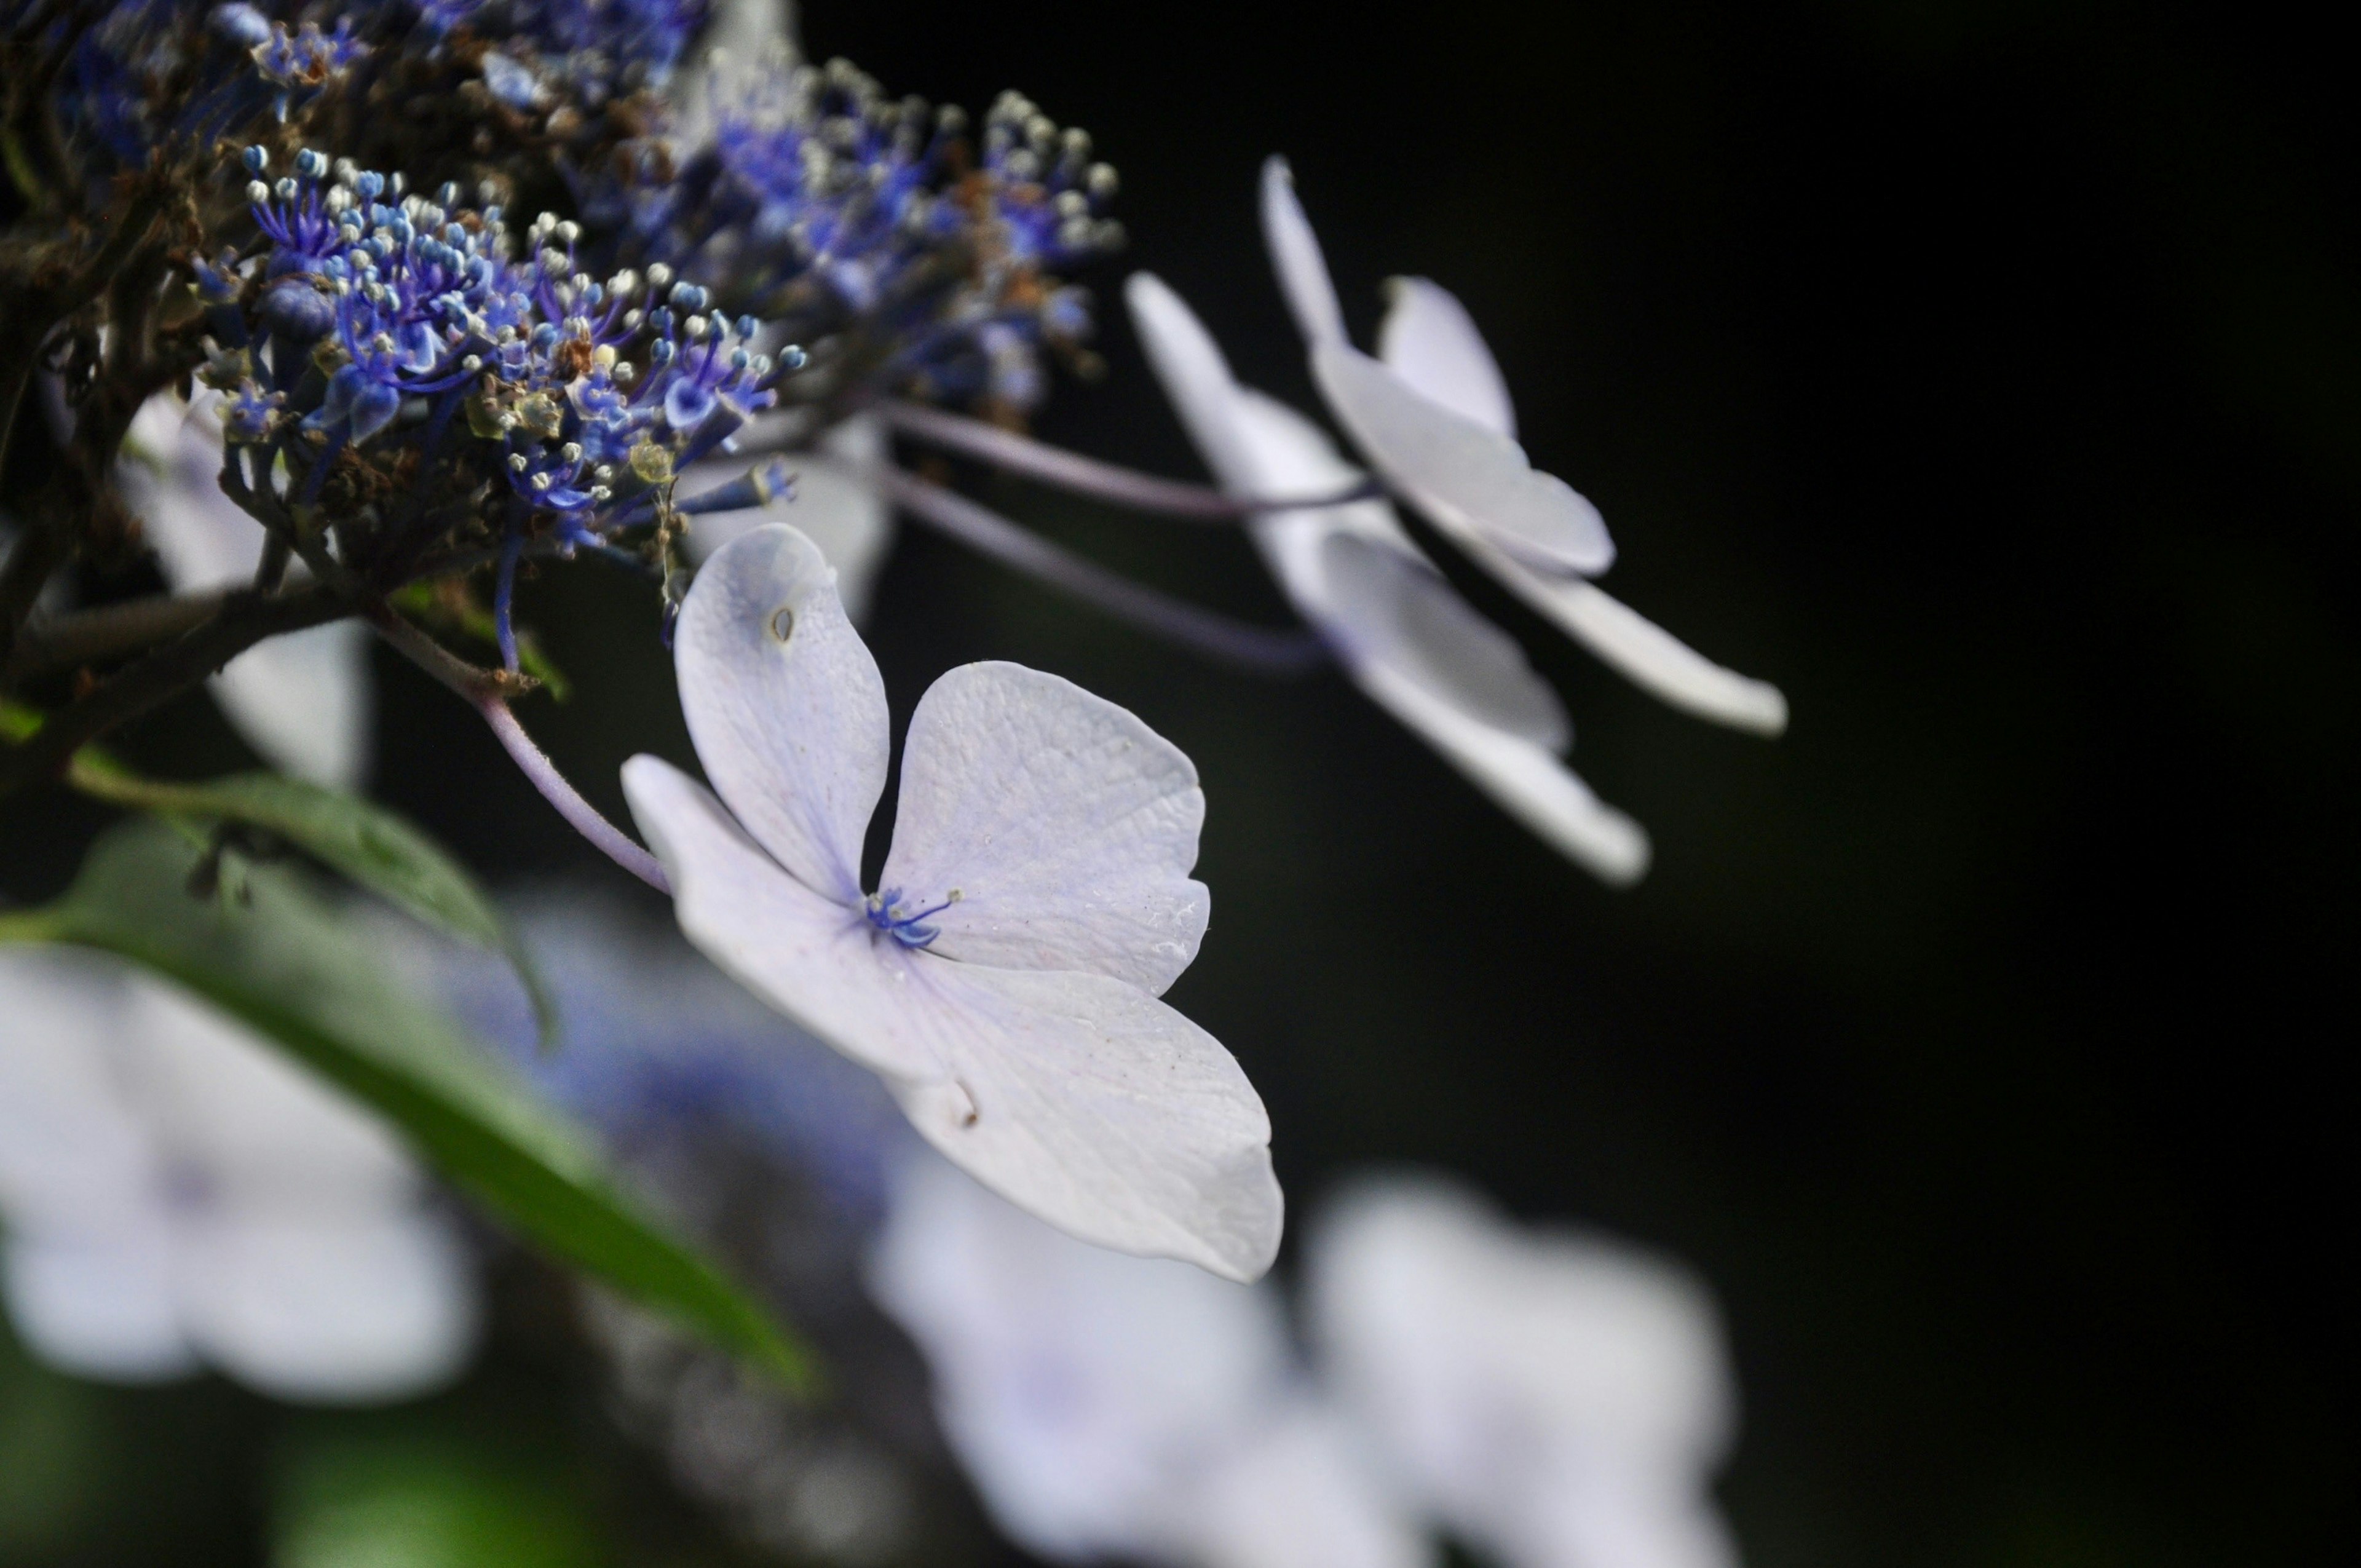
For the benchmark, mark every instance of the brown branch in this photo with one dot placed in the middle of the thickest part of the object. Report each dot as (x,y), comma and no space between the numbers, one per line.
(243,620)
(93,636)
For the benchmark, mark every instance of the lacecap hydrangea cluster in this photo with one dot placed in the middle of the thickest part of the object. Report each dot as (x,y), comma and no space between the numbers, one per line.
(912,260)
(409,357)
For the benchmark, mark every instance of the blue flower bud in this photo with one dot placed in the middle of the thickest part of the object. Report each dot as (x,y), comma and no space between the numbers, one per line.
(292,308)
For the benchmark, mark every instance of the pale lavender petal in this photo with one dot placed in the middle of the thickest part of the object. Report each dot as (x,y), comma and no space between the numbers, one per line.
(1084,1391)
(73,1153)
(1654,659)
(1048,829)
(1429,340)
(97,1303)
(1296,1493)
(328,1302)
(802,952)
(252,1126)
(1469,480)
(1196,380)
(1530,1386)
(1295,254)
(1090,1104)
(306,702)
(785,704)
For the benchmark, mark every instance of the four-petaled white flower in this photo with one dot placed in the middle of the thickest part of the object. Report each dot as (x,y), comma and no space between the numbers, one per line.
(1555,1399)
(304,700)
(1432,415)
(176,1194)
(1122,1407)
(1036,901)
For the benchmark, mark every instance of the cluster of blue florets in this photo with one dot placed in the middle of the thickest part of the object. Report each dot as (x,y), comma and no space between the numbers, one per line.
(377,318)
(841,213)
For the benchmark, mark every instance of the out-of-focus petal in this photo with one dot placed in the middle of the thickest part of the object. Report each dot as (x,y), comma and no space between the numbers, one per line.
(1469,480)
(1196,380)
(1087,1393)
(836,506)
(328,1303)
(1295,255)
(73,1152)
(305,701)
(1430,341)
(97,1303)
(1296,1494)
(1090,1104)
(1654,659)
(249,1125)
(1530,1386)
(1062,825)
(785,705)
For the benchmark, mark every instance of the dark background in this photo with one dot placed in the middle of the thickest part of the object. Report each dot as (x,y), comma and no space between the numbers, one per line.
(1986,375)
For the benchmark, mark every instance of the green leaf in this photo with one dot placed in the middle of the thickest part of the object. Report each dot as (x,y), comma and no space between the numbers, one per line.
(289,967)
(355,837)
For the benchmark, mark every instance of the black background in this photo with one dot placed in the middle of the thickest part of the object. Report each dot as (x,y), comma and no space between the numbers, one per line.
(1986,375)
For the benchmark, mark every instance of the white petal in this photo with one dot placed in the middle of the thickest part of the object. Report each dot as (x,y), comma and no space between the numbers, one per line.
(1649,656)
(804,953)
(1429,340)
(1469,480)
(836,506)
(1090,1104)
(170,475)
(785,704)
(337,1304)
(74,1154)
(246,1121)
(305,702)
(1520,1381)
(1599,1521)
(1295,253)
(1064,825)
(97,1304)
(1417,649)
(1196,380)
(1084,1391)
(1081,1098)
(1297,1494)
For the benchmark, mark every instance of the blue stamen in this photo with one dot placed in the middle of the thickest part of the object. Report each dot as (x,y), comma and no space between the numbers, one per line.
(885,912)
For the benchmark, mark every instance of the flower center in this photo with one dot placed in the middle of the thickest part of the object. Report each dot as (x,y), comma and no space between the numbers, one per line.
(886,913)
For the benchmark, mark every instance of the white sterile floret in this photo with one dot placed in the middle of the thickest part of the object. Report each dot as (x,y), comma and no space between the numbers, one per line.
(176,1195)
(1003,979)
(1402,633)
(302,700)
(1121,1408)
(1557,1400)
(1432,416)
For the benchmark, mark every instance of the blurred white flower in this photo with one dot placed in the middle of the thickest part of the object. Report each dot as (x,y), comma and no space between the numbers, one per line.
(175,1194)
(836,504)
(1035,902)
(302,700)
(1432,414)
(1401,632)
(1557,1400)
(1114,1407)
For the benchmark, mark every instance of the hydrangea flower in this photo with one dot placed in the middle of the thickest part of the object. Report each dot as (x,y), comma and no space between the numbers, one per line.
(1113,1406)
(1554,1398)
(175,1194)
(304,701)
(1003,979)
(1432,414)
(1400,630)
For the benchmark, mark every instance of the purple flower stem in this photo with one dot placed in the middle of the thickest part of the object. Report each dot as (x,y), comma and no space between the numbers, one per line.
(1089,476)
(535,763)
(1267,650)
(487,691)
